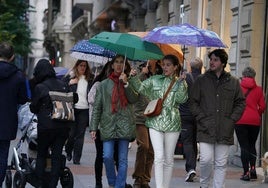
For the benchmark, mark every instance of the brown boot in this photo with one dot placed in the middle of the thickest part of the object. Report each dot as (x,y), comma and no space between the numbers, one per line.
(145,185)
(137,183)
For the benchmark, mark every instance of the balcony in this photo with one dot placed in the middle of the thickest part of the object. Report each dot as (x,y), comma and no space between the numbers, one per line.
(84,4)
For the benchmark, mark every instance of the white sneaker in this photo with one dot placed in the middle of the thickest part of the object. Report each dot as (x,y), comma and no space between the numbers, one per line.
(190,176)
(129,145)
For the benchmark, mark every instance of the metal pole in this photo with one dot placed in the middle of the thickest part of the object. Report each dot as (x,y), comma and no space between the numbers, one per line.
(183,49)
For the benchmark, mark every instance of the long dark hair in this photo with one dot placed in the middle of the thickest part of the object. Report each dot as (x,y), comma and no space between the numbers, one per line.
(105,72)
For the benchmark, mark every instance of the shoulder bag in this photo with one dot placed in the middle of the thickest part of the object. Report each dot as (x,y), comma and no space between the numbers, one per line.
(154,107)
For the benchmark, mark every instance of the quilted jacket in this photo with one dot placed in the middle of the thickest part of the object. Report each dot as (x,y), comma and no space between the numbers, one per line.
(113,125)
(216,103)
(154,88)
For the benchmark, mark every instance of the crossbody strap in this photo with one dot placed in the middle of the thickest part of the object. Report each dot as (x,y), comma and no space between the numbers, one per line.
(246,94)
(169,88)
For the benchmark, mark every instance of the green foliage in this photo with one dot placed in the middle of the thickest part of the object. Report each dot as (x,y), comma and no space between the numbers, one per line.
(13,25)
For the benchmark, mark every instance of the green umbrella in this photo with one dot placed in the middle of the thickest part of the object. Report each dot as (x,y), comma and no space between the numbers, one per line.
(129,45)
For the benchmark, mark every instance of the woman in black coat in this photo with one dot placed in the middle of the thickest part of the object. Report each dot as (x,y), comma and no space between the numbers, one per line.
(51,134)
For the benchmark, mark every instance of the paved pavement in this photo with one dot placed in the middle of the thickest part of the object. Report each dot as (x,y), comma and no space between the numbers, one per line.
(84,173)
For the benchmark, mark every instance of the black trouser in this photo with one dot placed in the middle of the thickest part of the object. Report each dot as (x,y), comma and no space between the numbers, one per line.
(53,139)
(75,141)
(188,136)
(4,148)
(99,159)
(247,136)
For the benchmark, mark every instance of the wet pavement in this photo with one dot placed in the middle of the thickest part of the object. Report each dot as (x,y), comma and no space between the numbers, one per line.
(84,173)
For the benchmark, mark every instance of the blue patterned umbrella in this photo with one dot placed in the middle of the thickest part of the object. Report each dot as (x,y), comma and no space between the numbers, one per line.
(185,34)
(85,50)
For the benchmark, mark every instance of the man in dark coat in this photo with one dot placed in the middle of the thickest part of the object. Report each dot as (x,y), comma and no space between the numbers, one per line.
(217,102)
(12,93)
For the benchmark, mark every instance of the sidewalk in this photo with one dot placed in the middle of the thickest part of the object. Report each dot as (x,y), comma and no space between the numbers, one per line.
(84,173)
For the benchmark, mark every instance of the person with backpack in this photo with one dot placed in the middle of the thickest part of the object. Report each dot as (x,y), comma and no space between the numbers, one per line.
(188,123)
(51,134)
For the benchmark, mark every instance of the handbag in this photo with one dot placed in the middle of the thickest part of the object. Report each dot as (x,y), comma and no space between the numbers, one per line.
(154,107)
(62,105)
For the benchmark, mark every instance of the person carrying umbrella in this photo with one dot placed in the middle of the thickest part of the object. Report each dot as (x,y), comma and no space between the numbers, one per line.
(113,115)
(164,129)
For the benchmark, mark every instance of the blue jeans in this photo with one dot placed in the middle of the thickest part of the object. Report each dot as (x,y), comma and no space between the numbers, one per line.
(116,180)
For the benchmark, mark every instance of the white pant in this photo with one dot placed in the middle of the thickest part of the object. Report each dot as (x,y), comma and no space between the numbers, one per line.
(213,156)
(164,146)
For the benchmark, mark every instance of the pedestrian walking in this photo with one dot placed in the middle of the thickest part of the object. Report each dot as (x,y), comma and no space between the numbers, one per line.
(188,123)
(145,153)
(51,134)
(79,79)
(113,115)
(164,129)
(217,102)
(98,165)
(248,126)
(12,93)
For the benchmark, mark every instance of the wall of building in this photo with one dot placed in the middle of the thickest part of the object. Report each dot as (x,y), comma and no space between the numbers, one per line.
(36,27)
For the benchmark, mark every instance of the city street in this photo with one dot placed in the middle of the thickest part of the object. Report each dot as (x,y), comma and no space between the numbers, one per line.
(84,173)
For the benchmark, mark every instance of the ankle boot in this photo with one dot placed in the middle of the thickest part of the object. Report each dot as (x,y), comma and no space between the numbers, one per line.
(253,173)
(245,177)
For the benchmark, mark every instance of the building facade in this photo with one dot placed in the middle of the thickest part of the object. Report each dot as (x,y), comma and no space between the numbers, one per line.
(241,25)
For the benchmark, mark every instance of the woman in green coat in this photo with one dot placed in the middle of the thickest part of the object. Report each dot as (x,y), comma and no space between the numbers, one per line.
(113,114)
(164,129)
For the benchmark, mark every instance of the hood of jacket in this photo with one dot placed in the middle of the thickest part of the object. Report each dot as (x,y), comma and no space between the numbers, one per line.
(43,70)
(7,69)
(248,83)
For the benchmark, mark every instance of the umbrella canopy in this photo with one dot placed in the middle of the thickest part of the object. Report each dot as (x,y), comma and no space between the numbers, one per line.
(84,46)
(60,71)
(128,45)
(87,51)
(173,49)
(90,57)
(185,34)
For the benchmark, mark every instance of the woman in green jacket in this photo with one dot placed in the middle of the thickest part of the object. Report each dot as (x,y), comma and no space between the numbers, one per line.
(113,114)
(164,129)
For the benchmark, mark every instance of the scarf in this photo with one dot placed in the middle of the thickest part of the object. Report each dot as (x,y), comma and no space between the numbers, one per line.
(118,93)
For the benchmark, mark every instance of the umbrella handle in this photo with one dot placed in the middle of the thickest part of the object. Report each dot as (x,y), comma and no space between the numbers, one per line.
(125,58)
(123,71)
(147,64)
